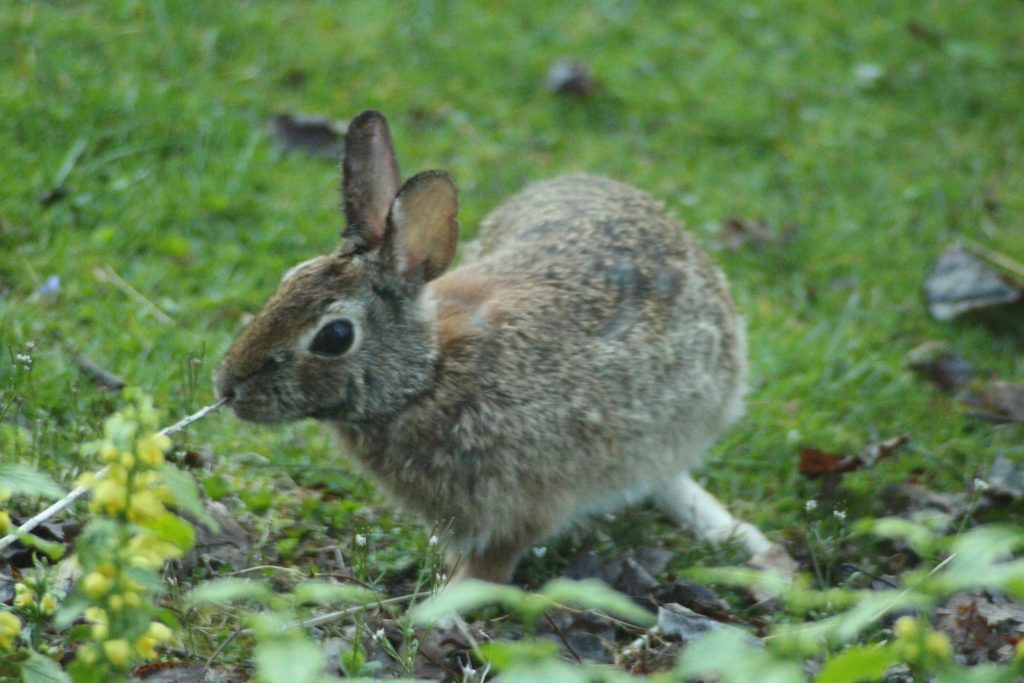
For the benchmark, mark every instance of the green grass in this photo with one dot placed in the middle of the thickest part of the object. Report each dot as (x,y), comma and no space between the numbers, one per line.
(153,116)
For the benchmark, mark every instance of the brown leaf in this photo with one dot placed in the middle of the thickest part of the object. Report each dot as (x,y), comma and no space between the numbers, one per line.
(101,376)
(735,232)
(815,463)
(981,626)
(959,282)
(571,77)
(187,672)
(933,361)
(313,135)
(1005,399)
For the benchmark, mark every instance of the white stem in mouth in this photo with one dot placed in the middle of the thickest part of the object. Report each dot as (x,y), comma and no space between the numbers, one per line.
(80,491)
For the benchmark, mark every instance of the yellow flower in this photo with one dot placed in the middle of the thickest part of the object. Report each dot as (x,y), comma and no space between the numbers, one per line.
(5,522)
(49,603)
(145,505)
(115,603)
(937,644)
(906,627)
(96,615)
(132,599)
(10,627)
(87,654)
(5,495)
(146,647)
(151,449)
(109,497)
(108,452)
(118,652)
(159,632)
(23,595)
(127,459)
(96,585)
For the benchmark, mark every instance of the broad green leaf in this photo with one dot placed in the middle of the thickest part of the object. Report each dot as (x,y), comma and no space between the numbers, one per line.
(41,669)
(185,494)
(22,480)
(224,591)
(323,593)
(288,660)
(594,594)
(173,529)
(52,549)
(983,673)
(472,594)
(736,658)
(530,661)
(920,535)
(769,581)
(858,663)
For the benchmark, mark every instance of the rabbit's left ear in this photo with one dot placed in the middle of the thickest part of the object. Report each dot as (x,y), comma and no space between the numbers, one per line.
(423,226)
(370,178)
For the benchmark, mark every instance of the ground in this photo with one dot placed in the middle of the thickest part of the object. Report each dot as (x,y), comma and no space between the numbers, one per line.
(865,137)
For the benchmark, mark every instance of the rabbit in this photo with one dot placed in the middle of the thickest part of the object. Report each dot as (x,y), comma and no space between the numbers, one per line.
(583,359)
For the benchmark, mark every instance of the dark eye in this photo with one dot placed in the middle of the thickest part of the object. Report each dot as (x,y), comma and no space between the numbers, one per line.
(334,338)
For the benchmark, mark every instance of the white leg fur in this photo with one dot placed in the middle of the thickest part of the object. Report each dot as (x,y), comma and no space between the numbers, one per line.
(687,502)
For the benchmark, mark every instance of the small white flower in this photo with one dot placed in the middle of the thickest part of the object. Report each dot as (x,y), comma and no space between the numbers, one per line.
(866,75)
(31,345)
(839,514)
(540,551)
(811,505)
(794,436)
(379,634)
(360,540)
(433,542)
(980,485)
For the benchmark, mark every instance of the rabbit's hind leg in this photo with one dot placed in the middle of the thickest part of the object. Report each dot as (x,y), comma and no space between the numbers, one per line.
(685,501)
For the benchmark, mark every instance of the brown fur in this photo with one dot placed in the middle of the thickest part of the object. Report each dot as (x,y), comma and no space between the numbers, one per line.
(587,356)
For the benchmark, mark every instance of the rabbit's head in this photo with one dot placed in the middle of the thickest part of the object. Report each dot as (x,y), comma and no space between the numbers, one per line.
(347,336)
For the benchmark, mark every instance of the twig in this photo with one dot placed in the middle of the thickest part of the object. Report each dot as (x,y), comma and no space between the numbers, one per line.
(80,491)
(107,274)
(1001,260)
(201,676)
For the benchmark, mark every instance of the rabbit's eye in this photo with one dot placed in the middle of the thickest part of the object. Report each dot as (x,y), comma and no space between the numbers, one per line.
(334,338)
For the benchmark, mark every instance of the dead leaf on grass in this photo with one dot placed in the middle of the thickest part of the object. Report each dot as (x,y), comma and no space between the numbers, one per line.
(946,368)
(735,232)
(1005,481)
(571,77)
(816,463)
(103,378)
(314,135)
(982,627)
(960,281)
(188,672)
(1005,400)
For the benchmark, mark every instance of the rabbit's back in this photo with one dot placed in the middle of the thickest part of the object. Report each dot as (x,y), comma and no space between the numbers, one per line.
(590,351)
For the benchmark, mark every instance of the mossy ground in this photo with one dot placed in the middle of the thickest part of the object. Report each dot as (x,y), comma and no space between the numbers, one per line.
(872,134)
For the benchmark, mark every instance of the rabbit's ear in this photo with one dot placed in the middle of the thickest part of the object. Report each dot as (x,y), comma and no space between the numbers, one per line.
(370,178)
(423,226)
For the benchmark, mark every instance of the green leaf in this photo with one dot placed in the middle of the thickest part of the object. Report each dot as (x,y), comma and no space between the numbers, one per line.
(737,658)
(41,669)
(27,481)
(52,549)
(225,591)
(528,661)
(289,660)
(472,594)
(594,594)
(858,663)
(173,529)
(323,593)
(185,494)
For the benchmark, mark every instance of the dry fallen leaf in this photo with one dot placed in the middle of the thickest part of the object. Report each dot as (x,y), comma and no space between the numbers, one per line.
(933,361)
(313,135)
(959,281)
(815,463)
(982,627)
(571,77)
(735,232)
(1004,399)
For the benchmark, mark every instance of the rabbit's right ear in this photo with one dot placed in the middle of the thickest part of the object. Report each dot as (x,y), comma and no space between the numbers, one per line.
(370,178)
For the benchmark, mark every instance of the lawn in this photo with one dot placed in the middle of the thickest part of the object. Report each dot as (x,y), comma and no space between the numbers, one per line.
(865,137)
